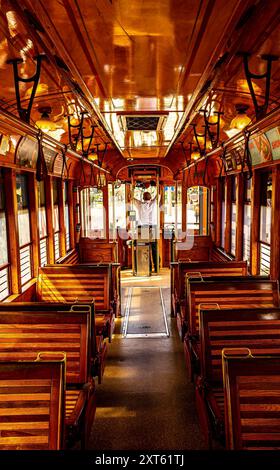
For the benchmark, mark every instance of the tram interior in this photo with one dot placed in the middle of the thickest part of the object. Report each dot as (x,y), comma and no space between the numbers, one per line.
(139,225)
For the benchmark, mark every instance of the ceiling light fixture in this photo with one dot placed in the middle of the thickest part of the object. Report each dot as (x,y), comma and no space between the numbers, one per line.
(240,121)
(44,123)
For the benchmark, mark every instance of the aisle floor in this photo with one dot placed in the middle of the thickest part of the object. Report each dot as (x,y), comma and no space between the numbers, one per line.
(146,401)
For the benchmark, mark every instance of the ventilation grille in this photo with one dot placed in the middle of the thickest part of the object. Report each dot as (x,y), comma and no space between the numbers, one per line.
(143,123)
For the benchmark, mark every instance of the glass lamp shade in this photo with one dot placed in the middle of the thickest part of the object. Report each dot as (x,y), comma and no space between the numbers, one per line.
(92,157)
(213,119)
(45,124)
(240,121)
(195,155)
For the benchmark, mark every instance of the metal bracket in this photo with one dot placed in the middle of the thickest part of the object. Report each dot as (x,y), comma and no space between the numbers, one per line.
(260,110)
(213,136)
(201,149)
(24,113)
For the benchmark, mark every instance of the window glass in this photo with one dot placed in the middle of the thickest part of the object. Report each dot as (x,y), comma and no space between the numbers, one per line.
(3,226)
(66,216)
(169,206)
(93,213)
(179,206)
(233,216)
(197,210)
(23,211)
(42,210)
(265,213)
(223,215)
(247,232)
(25,247)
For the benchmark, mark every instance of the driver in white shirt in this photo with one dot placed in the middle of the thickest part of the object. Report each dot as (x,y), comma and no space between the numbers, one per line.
(147,216)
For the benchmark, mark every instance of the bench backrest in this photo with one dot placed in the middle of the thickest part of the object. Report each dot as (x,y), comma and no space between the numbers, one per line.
(32,332)
(256,329)
(235,292)
(206,268)
(70,283)
(54,307)
(32,405)
(252,391)
(70,258)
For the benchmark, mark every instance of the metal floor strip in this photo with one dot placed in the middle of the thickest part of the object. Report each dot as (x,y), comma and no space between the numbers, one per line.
(125,334)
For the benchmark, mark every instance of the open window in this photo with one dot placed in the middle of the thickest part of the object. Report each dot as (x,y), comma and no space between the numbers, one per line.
(198,210)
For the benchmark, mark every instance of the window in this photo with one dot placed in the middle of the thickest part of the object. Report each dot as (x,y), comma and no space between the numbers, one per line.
(4,261)
(117,207)
(56,223)
(223,215)
(92,213)
(25,244)
(43,234)
(66,217)
(265,223)
(197,210)
(247,220)
(169,207)
(179,208)
(233,216)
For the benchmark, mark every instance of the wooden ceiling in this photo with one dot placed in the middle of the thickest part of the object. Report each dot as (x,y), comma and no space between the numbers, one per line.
(123,58)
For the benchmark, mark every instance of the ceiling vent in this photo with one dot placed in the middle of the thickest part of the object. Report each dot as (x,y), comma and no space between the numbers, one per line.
(143,122)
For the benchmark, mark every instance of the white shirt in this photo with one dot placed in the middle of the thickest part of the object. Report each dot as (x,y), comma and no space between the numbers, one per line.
(147,211)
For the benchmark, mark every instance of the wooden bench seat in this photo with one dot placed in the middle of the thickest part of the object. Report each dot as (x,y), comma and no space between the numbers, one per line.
(226,292)
(252,391)
(113,274)
(23,334)
(84,283)
(98,344)
(256,329)
(180,269)
(32,405)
